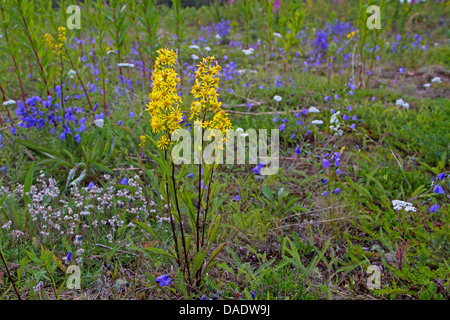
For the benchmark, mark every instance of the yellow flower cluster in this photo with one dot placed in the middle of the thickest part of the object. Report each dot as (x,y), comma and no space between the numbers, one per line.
(57,46)
(143,141)
(351,34)
(164,99)
(206,109)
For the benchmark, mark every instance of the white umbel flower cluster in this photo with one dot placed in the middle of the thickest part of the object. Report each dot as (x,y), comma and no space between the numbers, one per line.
(99,123)
(402,103)
(436,79)
(7,225)
(399,205)
(9,102)
(126,65)
(248,52)
(277,98)
(335,125)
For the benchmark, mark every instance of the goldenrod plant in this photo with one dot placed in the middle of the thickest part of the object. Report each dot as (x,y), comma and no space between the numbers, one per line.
(194,229)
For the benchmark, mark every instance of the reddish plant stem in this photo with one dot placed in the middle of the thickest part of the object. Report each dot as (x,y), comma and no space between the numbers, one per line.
(15,66)
(4,99)
(81,81)
(183,241)
(205,213)
(35,54)
(9,276)
(373,57)
(117,41)
(3,92)
(200,194)
(172,224)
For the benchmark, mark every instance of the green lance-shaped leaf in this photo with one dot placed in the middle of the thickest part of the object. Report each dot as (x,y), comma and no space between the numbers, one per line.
(198,260)
(145,227)
(211,263)
(27,186)
(266,191)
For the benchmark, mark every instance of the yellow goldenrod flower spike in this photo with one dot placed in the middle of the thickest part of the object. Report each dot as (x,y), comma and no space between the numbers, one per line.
(143,140)
(205,110)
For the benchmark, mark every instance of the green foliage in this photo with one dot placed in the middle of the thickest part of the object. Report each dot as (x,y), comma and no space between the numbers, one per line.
(91,157)
(291,28)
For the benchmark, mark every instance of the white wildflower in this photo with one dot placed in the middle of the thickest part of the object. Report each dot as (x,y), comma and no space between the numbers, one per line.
(244,134)
(317,122)
(71,73)
(436,79)
(243,71)
(398,205)
(38,287)
(207,48)
(218,37)
(277,98)
(248,52)
(277,35)
(194,46)
(334,117)
(99,123)
(7,225)
(402,103)
(9,102)
(313,110)
(194,57)
(130,65)
(336,128)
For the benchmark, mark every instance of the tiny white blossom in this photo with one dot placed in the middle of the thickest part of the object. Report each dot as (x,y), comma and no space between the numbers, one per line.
(99,123)
(334,117)
(398,205)
(317,122)
(195,57)
(241,134)
(7,225)
(194,46)
(277,35)
(130,65)
(71,73)
(248,52)
(313,110)
(436,79)
(9,102)
(207,48)
(402,103)
(277,98)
